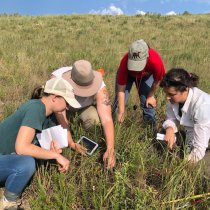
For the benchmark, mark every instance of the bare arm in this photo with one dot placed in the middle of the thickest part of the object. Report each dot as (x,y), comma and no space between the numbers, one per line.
(104,112)
(150,97)
(170,137)
(24,146)
(154,87)
(121,102)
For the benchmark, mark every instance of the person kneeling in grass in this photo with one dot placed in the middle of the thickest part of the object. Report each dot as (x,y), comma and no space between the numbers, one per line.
(19,148)
(92,94)
(187,106)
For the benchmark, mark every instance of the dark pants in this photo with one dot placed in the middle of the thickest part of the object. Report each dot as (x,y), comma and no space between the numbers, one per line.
(143,90)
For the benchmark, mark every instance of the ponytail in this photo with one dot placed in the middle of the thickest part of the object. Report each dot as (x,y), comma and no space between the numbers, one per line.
(180,79)
(38,93)
(193,80)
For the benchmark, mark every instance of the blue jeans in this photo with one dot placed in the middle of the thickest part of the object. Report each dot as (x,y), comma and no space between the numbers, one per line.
(143,90)
(16,171)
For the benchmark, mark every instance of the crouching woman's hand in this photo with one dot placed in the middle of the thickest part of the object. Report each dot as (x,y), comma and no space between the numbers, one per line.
(63,163)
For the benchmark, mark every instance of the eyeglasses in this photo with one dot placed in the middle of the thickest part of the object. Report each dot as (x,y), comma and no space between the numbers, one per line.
(171,94)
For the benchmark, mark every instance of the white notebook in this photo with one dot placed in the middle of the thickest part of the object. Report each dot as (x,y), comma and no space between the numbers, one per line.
(56,133)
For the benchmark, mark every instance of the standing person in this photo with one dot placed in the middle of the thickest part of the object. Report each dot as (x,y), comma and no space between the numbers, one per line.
(142,65)
(91,92)
(19,150)
(187,106)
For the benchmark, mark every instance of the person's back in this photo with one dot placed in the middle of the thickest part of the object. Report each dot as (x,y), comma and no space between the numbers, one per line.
(90,90)
(32,114)
(143,66)
(18,151)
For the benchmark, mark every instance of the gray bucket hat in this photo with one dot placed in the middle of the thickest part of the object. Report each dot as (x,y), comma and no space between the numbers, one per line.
(84,80)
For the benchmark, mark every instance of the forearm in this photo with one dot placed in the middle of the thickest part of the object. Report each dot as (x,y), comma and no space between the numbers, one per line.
(121,102)
(36,152)
(104,112)
(198,139)
(109,155)
(108,128)
(153,88)
(71,143)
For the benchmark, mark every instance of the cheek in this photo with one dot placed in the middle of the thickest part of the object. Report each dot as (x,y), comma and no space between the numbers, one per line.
(173,99)
(64,105)
(177,98)
(61,106)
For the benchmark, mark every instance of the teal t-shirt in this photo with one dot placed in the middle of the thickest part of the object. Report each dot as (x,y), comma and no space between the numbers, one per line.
(31,114)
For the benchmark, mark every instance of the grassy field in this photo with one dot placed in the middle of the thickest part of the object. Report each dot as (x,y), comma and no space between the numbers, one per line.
(32,47)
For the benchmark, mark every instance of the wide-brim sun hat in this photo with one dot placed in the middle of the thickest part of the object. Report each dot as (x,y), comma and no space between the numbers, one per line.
(137,55)
(59,86)
(84,80)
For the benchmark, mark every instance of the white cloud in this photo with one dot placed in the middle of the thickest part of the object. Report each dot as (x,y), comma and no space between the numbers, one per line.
(112,10)
(171,13)
(138,12)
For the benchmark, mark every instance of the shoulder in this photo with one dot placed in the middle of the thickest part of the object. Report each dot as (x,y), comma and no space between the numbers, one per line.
(34,104)
(155,64)
(61,71)
(125,57)
(103,85)
(124,60)
(101,91)
(32,108)
(200,104)
(35,114)
(199,96)
(154,56)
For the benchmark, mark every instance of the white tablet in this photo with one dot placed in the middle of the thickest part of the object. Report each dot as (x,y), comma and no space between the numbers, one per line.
(89,144)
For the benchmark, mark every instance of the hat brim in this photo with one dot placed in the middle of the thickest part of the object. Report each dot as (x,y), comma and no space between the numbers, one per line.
(72,102)
(136,65)
(85,91)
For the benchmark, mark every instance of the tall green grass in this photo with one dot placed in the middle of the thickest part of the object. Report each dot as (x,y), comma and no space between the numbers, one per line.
(32,47)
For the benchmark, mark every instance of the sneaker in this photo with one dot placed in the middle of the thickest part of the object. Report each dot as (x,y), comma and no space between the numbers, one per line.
(10,205)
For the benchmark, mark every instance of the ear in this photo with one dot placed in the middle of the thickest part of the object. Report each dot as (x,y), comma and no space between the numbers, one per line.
(53,98)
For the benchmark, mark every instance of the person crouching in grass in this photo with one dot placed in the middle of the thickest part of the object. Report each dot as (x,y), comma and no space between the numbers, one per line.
(19,149)
(187,106)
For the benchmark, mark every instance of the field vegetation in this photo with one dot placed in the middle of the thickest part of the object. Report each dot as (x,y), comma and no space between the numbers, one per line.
(32,47)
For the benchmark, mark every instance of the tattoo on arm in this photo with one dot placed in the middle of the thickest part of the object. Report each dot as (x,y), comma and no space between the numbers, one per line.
(106,99)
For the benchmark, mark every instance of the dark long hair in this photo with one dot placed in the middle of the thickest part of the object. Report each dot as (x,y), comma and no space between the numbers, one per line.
(38,93)
(180,79)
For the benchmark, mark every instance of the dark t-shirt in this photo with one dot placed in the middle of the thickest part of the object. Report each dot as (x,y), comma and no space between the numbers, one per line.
(31,114)
(153,67)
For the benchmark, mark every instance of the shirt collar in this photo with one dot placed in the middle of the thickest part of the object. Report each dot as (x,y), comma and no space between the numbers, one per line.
(187,102)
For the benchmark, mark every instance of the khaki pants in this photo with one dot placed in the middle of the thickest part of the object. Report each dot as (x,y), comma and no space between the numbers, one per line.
(88,116)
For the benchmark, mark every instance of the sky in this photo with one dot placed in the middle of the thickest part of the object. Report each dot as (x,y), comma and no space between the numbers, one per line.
(103,7)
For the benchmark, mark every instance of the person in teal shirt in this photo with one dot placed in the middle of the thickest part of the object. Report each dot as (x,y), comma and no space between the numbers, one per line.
(18,144)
